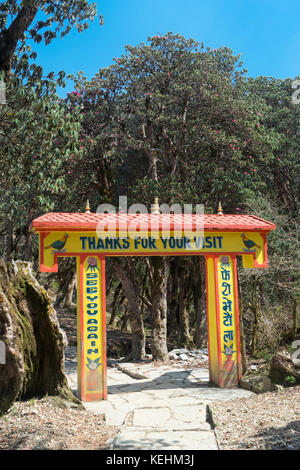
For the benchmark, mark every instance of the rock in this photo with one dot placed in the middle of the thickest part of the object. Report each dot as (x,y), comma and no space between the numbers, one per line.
(33,340)
(283,371)
(253,367)
(278,388)
(173,357)
(118,342)
(257,383)
(183,357)
(179,351)
(202,351)
(203,357)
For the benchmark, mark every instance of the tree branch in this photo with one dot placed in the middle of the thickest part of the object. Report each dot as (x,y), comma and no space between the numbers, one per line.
(11,36)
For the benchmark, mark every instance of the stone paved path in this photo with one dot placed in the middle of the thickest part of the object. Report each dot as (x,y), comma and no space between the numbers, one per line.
(165,410)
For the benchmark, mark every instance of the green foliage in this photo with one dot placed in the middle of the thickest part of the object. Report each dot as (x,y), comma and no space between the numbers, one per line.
(171,112)
(54,17)
(171,119)
(290,380)
(282,116)
(23,23)
(38,140)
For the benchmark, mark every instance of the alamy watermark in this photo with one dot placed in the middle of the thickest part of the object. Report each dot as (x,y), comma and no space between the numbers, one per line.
(178,222)
(2,92)
(296,94)
(296,353)
(2,352)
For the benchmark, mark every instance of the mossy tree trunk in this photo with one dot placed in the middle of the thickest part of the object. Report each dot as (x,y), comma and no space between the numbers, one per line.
(33,341)
(158,273)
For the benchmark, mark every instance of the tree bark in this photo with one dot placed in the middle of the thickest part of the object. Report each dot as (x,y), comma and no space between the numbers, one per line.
(66,272)
(68,302)
(295,319)
(34,342)
(242,330)
(114,303)
(199,294)
(255,308)
(8,240)
(172,301)
(125,273)
(184,330)
(158,272)
(28,245)
(12,35)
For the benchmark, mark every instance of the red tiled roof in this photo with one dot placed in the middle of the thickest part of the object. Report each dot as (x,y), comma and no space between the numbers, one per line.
(89,221)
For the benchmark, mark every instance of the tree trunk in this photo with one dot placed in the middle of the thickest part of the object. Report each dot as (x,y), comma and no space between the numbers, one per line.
(295,319)
(158,272)
(199,294)
(125,273)
(11,36)
(28,245)
(8,240)
(184,330)
(33,341)
(124,319)
(242,330)
(114,304)
(68,302)
(65,275)
(172,300)
(255,308)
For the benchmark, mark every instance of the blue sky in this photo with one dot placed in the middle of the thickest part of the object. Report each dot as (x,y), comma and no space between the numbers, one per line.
(265,32)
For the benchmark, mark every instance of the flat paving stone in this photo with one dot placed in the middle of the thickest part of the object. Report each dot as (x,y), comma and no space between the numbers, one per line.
(132,388)
(157,417)
(164,411)
(183,440)
(177,401)
(164,440)
(144,400)
(113,416)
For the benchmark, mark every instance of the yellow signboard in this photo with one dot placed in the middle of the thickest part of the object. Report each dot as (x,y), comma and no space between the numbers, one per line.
(91,344)
(228,318)
(56,244)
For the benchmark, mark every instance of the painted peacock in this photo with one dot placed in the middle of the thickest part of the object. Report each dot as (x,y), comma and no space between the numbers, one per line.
(249,244)
(58,245)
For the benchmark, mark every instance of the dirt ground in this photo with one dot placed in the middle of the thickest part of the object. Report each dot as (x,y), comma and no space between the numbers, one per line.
(269,421)
(54,424)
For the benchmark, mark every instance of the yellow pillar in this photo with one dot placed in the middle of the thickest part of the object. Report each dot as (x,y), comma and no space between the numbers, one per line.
(223,320)
(91,328)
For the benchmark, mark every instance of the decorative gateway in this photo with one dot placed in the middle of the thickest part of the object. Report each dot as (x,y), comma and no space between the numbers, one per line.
(91,237)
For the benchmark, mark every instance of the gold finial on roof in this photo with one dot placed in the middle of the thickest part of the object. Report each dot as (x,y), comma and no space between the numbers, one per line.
(155,206)
(220,210)
(87,207)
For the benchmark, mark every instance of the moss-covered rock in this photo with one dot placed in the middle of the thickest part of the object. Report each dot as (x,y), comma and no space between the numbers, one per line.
(257,383)
(34,343)
(283,371)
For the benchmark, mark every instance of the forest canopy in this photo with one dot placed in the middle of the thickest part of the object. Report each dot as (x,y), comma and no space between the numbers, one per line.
(170,118)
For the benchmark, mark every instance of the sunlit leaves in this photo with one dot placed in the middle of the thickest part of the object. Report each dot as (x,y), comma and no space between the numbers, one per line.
(37,135)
